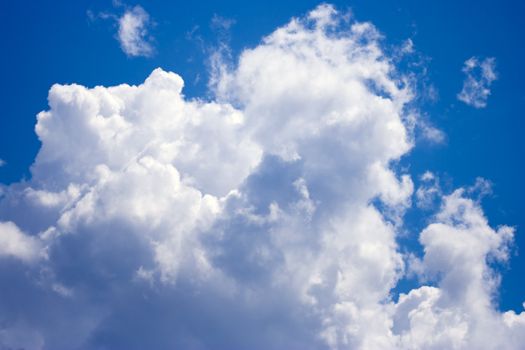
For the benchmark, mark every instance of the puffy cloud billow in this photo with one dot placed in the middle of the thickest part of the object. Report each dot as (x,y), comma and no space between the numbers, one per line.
(265,219)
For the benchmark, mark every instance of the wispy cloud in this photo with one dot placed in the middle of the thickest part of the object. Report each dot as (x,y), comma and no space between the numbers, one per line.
(431,133)
(133,32)
(479,76)
(2,162)
(133,28)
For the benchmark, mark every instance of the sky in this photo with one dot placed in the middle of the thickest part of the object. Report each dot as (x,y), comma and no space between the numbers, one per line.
(298,175)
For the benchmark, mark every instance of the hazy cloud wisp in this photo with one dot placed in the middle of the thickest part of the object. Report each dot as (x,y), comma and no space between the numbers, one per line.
(133,32)
(479,75)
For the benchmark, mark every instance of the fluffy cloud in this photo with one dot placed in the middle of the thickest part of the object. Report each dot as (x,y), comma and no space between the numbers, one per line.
(133,34)
(267,218)
(459,248)
(479,76)
(14,243)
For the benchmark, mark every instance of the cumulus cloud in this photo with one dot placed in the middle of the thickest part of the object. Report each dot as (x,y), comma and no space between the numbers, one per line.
(479,75)
(133,32)
(257,220)
(459,313)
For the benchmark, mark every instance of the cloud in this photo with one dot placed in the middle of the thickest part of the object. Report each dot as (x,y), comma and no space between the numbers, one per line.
(430,133)
(459,249)
(429,191)
(220,23)
(133,29)
(256,220)
(2,162)
(133,32)
(14,243)
(479,77)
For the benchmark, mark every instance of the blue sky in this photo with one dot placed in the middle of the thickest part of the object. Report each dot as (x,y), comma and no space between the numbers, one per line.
(77,42)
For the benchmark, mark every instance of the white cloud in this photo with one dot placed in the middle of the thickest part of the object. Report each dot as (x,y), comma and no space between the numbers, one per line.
(15,243)
(429,191)
(177,217)
(479,77)
(459,312)
(133,32)
(407,47)
(431,133)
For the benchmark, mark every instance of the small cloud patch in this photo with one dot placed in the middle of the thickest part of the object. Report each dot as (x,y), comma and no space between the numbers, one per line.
(479,77)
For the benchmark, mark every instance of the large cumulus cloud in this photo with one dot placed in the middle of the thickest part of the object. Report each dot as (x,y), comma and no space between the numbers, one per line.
(265,219)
